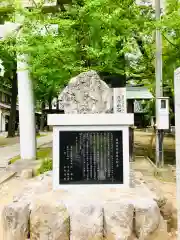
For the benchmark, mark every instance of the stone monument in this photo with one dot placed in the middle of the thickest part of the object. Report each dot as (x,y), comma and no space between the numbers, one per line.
(86,93)
(91,145)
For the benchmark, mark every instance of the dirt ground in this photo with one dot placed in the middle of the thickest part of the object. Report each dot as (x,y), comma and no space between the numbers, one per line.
(143,146)
(4,141)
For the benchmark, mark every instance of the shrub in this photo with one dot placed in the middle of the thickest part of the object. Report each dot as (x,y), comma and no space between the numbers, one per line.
(46,166)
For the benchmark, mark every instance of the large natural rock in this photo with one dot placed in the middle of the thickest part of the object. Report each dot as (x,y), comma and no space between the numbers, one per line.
(86,221)
(118,219)
(90,209)
(15,221)
(169,213)
(49,218)
(167,208)
(157,193)
(147,217)
(160,233)
(86,93)
(32,187)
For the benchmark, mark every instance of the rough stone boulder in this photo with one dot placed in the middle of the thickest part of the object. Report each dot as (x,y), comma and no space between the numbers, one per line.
(49,218)
(82,214)
(86,220)
(86,93)
(14,221)
(118,220)
(34,187)
(147,217)
(160,233)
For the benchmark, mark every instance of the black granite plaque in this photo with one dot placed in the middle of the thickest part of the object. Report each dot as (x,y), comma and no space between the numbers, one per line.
(93,157)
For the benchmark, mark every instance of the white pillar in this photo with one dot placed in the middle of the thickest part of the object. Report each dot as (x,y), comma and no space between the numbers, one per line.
(26,111)
(177,130)
(2,122)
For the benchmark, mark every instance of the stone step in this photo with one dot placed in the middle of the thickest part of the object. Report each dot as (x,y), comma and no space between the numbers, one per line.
(21,165)
(6,175)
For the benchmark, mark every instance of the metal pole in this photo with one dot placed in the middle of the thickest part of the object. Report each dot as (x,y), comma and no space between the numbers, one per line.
(159,87)
(177,132)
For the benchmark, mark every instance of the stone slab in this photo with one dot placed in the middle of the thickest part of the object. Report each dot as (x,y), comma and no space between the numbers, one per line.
(6,175)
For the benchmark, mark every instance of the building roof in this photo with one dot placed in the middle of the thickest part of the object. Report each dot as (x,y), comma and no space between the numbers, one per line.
(32,3)
(138,93)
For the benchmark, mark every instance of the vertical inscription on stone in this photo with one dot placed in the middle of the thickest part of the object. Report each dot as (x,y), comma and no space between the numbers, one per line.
(108,155)
(112,157)
(119,100)
(94,157)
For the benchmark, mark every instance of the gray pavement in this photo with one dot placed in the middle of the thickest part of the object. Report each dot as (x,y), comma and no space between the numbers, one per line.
(8,152)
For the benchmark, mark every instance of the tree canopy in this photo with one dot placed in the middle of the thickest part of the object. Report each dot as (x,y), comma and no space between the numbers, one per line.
(104,35)
(171,36)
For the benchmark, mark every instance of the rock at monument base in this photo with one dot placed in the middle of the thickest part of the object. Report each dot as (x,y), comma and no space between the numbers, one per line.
(147,217)
(160,233)
(49,218)
(118,220)
(86,93)
(39,185)
(93,213)
(15,221)
(86,221)
(159,196)
(169,213)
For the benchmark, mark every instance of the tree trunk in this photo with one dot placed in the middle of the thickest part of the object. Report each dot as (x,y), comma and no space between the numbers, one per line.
(50,103)
(42,121)
(57,104)
(12,118)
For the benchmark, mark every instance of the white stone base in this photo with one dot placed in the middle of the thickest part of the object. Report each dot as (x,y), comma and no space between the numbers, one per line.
(90,122)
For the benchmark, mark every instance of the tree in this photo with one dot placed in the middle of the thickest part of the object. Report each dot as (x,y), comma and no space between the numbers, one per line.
(171,49)
(8,55)
(92,35)
(113,38)
(9,79)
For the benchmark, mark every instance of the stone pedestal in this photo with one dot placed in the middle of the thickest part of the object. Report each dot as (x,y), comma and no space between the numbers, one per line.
(90,150)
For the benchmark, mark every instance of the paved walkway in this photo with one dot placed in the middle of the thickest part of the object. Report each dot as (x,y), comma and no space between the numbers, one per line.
(12,151)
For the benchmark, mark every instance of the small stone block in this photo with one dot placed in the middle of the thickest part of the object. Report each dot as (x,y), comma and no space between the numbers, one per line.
(27,173)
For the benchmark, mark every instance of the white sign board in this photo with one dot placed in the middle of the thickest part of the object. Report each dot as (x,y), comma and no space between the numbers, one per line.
(163,113)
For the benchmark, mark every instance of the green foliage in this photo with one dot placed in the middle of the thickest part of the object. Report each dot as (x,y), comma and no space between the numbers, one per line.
(99,35)
(171,37)
(96,34)
(14,159)
(44,153)
(7,55)
(46,166)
